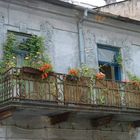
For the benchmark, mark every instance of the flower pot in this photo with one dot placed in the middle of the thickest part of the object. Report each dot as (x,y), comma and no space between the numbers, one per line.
(72,78)
(31,70)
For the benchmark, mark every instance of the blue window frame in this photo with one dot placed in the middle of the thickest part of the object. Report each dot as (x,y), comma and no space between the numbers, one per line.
(107,59)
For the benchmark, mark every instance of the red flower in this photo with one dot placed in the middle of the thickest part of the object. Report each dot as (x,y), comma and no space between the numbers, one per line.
(42,76)
(46,75)
(73,72)
(46,68)
(100,76)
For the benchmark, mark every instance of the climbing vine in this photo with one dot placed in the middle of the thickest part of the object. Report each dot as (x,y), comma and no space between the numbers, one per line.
(33,48)
(8,59)
(119,59)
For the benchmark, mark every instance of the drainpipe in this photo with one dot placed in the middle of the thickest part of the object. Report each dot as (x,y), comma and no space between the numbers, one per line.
(81,37)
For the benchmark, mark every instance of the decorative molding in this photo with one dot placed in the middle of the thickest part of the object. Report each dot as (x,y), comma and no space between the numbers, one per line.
(23,27)
(2,18)
(90,48)
(127,53)
(47,31)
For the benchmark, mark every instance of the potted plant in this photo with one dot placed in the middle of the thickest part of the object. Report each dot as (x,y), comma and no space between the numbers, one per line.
(30,70)
(100,76)
(72,75)
(46,69)
(86,74)
(134,82)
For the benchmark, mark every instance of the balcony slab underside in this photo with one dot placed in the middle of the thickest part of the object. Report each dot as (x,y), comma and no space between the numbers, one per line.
(37,108)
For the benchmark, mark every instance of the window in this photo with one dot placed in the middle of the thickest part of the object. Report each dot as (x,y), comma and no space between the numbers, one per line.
(20,37)
(107,59)
(20,54)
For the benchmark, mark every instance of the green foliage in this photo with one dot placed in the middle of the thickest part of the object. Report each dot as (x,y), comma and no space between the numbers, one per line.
(86,71)
(119,59)
(133,77)
(34,46)
(36,61)
(9,57)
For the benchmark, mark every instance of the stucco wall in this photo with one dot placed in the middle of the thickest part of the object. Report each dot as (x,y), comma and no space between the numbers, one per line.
(59,27)
(125,39)
(28,127)
(128,8)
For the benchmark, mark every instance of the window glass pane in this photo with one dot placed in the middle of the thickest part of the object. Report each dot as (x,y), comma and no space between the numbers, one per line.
(106,55)
(107,71)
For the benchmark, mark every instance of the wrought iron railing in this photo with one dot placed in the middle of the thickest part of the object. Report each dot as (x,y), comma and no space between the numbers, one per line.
(18,84)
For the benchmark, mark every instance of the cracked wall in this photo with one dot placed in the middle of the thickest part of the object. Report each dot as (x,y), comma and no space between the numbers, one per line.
(59,28)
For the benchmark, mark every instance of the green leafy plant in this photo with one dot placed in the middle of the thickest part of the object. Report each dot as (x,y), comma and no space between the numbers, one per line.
(133,77)
(134,81)
(86,71)
(119,59)
(9,59)
(33,46)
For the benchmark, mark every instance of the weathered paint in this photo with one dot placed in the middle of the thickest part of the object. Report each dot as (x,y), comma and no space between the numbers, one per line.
(22,127)
(128,9)
(58,25)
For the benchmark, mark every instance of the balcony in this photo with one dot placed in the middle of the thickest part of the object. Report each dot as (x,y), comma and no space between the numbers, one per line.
(20,90)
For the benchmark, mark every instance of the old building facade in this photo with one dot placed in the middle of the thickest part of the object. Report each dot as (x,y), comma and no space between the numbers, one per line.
(73,36)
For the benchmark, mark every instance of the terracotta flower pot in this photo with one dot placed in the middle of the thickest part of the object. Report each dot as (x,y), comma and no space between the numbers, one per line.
(31,70)
(72,78)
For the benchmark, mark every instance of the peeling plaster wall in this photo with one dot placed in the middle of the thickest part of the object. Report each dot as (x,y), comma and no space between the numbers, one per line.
(59,28)
(49,21)
(127,41)
(128,8)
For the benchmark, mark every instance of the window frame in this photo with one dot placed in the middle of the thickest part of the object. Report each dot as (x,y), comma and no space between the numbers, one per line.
(117,67)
